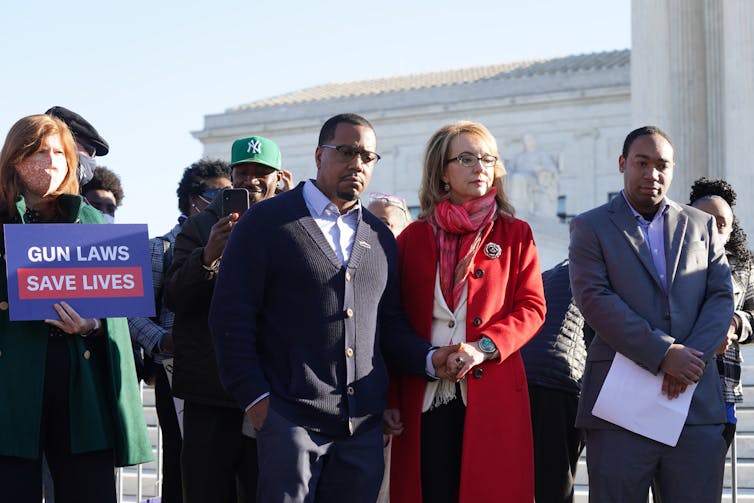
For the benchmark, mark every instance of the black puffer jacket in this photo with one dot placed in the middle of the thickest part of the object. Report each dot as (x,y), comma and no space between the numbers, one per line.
(555,357)
(188,292)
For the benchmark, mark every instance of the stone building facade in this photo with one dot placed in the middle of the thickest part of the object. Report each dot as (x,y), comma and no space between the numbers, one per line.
(559,124)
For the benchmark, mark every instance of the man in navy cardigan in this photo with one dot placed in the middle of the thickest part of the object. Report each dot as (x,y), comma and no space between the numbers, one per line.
(305,312)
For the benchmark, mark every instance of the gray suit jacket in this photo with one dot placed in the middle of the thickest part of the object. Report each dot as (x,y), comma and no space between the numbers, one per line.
(616,287)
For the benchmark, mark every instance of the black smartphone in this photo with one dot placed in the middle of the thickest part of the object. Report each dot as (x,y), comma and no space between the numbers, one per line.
(235,201)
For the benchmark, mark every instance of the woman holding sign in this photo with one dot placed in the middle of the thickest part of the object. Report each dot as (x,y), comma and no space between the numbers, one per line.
(67,385)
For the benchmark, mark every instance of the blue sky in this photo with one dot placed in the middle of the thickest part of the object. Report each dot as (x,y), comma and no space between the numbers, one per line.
(145,73)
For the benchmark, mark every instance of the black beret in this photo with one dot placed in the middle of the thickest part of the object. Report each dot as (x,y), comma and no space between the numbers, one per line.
(83,132)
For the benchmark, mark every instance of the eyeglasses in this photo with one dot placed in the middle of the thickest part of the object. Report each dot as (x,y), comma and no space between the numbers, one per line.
(469,160)
(389,200)
(347,153)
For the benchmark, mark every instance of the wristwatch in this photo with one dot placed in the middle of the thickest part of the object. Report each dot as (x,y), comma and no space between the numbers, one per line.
(486,345)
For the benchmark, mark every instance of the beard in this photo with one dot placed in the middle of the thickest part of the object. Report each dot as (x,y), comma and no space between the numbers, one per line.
(349,196)
(352,190)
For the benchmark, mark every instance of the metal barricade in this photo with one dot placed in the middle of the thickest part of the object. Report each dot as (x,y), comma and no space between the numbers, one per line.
(122,489)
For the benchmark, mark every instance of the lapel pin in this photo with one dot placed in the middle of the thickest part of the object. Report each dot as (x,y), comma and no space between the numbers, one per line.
(365,245)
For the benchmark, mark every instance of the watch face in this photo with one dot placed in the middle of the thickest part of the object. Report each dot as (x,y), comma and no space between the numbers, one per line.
(486,345)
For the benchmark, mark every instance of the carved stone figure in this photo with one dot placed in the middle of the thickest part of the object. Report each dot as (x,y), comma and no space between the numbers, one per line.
(533,176)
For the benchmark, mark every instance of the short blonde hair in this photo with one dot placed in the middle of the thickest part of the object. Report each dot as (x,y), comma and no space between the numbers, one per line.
(23,140)
(438,150)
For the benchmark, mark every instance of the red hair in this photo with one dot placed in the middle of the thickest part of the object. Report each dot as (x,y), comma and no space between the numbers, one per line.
(24,139)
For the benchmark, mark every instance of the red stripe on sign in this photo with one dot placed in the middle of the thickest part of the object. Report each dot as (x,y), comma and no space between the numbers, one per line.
(79,282)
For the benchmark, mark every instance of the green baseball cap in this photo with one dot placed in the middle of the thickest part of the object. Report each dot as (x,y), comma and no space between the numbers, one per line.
(256,149)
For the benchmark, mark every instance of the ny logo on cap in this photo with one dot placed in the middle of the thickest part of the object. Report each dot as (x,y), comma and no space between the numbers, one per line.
(255,147)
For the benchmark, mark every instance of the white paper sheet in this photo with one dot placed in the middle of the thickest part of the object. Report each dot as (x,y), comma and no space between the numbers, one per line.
(178,402)
(631,397)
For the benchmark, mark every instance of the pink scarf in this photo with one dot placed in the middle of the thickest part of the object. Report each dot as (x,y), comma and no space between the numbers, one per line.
(461,229)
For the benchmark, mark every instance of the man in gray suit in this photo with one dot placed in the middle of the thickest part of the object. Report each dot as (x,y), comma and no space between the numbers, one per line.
(651,278)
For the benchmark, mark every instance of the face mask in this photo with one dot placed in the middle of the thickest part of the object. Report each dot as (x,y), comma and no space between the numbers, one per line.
(109,219)
(86,168)
(41,177)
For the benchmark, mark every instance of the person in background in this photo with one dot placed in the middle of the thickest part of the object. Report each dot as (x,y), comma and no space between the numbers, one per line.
(469,275)
(394,212)
(89,143)
(390,209)
(554,360)
(105,192)
(219,457)
(717,197)
(67,386)
(199,185)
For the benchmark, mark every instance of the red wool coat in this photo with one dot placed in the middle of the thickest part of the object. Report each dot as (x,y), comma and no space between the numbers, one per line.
(506,297)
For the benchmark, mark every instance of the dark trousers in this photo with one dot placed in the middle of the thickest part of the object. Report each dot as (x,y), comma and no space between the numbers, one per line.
(441,446)
(622,465)
(218,462)
(78,478)
(299,465)
(172,491)
(557,443)
(729,431)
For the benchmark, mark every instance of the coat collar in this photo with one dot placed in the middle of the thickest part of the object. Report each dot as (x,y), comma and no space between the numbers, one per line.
(362,239)
(69,205)
(674,229)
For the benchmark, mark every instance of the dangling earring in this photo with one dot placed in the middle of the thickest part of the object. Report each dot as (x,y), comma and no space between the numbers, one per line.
(446,187)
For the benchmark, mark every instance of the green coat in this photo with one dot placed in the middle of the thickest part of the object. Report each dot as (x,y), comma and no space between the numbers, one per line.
(105,407)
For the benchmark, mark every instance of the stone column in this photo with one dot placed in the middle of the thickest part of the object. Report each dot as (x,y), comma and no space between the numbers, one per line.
(650,62)
(692,74)
(713,26)
(669,81)
(738,104)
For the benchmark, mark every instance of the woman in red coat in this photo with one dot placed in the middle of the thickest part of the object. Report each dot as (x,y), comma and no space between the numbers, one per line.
(470,275)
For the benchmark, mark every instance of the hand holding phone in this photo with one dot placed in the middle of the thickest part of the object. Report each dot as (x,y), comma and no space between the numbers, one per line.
(235,201)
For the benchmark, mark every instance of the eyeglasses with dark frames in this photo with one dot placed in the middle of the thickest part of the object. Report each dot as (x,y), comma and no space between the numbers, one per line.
(348,152)
(469,160)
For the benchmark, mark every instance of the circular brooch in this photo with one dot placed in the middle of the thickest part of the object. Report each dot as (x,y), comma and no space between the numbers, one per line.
(492,250)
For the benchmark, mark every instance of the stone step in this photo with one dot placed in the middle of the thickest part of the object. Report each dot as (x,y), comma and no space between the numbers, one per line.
(581,495)
(151,466)
(153,432)
(748,402)
(744,446)
(747,372)
(148,399)
(149,483)
(745,418)
(150,416)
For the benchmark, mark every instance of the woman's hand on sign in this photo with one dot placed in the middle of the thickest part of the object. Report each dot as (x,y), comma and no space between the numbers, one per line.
(70,322)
